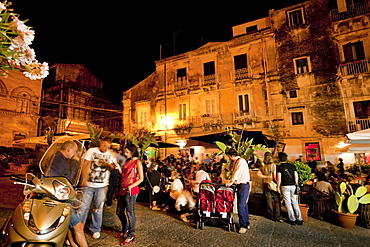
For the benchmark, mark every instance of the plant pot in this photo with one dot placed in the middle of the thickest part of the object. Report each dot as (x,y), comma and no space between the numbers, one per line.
(304,211)
(347,221)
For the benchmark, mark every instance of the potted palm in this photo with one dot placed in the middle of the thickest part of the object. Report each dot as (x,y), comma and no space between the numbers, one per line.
(348,202)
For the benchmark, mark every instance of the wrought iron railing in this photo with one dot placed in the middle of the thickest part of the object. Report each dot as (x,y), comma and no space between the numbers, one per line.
(352,11)
(356,67)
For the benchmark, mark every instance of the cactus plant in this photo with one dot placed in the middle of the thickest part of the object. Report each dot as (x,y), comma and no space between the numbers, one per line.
(349,202)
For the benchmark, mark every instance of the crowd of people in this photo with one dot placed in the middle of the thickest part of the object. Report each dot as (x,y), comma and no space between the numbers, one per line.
(173,184)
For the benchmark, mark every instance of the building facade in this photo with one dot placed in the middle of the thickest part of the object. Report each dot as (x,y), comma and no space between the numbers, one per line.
(19,107)
(300,75)
(72,97)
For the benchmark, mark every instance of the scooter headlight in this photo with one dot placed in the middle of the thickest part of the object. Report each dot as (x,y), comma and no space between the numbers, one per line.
(62,191)
(26,208)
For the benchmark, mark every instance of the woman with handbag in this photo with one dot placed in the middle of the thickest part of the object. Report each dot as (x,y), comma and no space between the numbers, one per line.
(268,174)
(132,176)
(154,185)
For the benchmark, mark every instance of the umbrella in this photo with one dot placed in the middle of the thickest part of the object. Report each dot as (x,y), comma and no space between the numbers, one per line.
(258,137)
(164,145)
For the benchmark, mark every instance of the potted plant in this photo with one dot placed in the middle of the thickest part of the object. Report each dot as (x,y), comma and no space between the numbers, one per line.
(245,149)
(348,202)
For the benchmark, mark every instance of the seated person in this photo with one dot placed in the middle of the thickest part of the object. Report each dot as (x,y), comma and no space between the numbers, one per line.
(323,185)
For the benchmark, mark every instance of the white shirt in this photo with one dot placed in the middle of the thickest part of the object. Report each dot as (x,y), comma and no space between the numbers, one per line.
(241,172)
(199,177)
(178,187)
(98,174)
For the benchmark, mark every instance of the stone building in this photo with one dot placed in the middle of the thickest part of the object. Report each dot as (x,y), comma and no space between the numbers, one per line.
(72,97)
(300,75)
(19,107)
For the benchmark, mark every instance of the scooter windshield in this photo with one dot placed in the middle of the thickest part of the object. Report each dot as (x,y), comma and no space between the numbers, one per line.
(56,160)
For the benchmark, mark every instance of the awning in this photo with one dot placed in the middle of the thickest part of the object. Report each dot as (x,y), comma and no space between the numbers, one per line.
(257,136)
(360,135)
(164,145)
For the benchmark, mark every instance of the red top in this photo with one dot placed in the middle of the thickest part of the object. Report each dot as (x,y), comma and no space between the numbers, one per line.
(129,176)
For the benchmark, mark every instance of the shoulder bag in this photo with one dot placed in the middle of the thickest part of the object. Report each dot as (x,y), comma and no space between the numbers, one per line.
(297,188)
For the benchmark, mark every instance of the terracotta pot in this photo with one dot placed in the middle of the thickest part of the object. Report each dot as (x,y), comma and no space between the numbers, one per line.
(347,221)
(304,211)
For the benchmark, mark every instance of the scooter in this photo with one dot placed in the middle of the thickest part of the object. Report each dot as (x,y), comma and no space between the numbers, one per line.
(43,217)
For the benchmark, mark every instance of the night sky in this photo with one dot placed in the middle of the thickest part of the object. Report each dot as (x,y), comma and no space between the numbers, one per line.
(119,41)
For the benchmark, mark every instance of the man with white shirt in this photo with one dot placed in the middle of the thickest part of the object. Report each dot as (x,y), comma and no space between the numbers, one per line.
(241,178)
(199,177)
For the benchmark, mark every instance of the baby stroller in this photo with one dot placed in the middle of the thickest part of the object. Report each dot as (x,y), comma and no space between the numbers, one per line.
(215,202)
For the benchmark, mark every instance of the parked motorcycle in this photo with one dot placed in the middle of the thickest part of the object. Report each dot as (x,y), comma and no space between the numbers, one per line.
(43,217)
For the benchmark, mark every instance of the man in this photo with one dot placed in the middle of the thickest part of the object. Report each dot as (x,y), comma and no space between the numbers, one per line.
(287,178)
(97,162)
(241,178)
(313,164)
(61,167)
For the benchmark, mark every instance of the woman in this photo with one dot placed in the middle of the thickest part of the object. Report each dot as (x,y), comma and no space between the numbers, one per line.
(154,179)
(268,174)
(132,176)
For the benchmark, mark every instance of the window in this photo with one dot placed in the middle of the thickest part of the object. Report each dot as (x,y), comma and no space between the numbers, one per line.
(240,61)
(142,117)
(181,74)
(362,109)
(293,94)
(301,65)
(354,51)
(251,29)
(243,101)
(296,17)
(313,151)
(182,111)
(209,68)
(297,118)
(210,106)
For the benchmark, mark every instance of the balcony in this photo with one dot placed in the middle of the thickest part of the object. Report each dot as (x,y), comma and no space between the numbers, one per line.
(356,67)
(209,80)
(358,124)
(181,84)
(352,11)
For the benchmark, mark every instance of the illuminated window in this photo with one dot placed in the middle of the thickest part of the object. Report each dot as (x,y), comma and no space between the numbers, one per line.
(210,106)
(182,111)
(313,151)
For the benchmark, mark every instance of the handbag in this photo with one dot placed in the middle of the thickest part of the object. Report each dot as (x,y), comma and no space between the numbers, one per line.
(272,186)
(155,188)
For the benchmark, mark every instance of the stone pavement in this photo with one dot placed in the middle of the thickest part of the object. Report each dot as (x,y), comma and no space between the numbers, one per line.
(157,228)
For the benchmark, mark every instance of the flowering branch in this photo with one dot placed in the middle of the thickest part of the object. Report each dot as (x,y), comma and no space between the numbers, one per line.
(15,53)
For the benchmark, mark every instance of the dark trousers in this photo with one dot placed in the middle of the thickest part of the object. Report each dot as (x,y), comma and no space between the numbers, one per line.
(243,211)
(273,206)
(112,186)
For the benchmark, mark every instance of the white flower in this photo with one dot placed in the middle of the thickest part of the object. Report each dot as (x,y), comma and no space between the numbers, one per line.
(37,71)
(2,7)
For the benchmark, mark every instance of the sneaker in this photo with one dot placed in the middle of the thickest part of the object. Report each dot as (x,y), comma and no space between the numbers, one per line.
(96,235)
(299,222)
(243,229)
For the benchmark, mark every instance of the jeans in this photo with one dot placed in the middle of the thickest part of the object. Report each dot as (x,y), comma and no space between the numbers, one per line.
(291,203)
(243,211)
(272,203)
(126,213)
(97,195)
